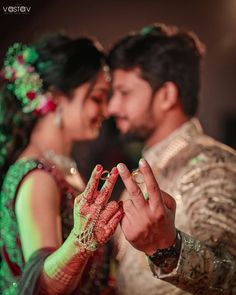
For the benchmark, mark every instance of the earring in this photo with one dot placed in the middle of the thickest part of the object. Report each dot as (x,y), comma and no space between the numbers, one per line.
(107,72)
(58,117)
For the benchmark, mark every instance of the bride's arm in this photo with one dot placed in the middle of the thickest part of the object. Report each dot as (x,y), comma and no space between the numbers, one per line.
(38,215)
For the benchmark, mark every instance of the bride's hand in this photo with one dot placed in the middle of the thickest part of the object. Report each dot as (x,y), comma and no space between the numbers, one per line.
(95,220)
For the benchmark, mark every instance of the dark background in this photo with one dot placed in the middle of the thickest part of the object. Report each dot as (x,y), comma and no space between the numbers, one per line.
(214,21)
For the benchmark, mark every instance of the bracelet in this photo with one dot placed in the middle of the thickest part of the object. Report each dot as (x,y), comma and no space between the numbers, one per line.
(86,240)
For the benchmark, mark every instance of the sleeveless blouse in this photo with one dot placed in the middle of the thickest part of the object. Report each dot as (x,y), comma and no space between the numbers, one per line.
(95,279)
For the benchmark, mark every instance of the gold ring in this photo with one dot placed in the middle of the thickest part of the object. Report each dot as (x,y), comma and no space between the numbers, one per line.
(137,176)
(107,175)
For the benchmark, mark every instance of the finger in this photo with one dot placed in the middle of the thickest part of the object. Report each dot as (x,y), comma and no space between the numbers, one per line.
(129,210)
(122,204)
(125,224)
(168,201)
(111,180)
(107,213)
(131,186)
(104,233)
(154,192)
(129,221)
(91,187)
(107,188)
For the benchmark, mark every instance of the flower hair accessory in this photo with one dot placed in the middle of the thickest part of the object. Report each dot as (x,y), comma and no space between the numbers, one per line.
(24,81)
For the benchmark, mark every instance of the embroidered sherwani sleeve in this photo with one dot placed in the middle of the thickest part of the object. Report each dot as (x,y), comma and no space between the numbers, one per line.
(207,263)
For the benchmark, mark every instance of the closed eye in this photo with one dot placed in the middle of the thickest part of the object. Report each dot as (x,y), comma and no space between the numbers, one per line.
(98,99)
(124,92)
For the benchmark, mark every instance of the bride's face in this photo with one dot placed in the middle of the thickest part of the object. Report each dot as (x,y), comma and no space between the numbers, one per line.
(84,113)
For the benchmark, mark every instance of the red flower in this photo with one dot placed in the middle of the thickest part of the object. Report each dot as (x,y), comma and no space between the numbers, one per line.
(20,58)
(30,69)
(31,95)
(13,77)
(48,106)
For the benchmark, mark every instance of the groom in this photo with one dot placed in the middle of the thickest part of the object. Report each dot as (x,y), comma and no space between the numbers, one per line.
(190,239)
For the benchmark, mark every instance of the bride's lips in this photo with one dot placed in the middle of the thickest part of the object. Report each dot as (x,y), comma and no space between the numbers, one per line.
(96,123)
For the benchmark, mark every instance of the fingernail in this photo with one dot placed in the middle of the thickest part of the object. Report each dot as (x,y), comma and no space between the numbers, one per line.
(98,167)
(142,162)
(121,167)
(114,170)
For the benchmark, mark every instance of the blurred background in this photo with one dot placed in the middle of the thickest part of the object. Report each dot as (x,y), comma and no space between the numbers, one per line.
(214,21)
